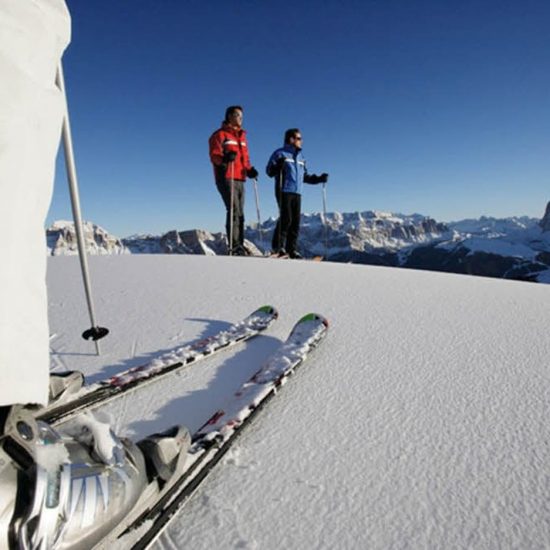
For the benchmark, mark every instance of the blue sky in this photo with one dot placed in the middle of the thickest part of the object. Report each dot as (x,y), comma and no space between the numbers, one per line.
(441,108)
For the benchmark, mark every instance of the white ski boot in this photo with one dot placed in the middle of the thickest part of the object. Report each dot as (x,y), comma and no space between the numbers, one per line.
(74,487)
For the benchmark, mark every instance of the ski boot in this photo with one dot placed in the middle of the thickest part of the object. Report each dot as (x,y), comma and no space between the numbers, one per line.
(75,487)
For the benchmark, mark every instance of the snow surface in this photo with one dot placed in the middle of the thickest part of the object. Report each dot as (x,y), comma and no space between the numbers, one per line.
(421,421)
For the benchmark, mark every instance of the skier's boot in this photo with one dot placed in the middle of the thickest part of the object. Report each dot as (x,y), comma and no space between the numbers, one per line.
(279,253)
(64,386)
(71,488)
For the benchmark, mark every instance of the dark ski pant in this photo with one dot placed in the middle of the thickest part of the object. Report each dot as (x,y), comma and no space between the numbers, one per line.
(288,225)
(224,187)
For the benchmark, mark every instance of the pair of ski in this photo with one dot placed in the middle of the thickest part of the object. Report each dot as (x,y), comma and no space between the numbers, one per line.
(94,395)
(213,439)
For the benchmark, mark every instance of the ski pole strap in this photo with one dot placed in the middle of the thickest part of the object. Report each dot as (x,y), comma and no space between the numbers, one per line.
(95,333)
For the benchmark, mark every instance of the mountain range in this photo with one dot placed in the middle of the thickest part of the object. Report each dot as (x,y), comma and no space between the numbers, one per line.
(511,248)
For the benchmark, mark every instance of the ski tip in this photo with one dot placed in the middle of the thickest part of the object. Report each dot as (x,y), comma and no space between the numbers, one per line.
(314,317)
(270,310)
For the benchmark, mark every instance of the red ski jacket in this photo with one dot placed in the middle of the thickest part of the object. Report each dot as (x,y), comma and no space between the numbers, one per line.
(228,138)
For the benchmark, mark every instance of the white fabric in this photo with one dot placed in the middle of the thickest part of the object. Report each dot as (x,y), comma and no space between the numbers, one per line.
(33,36)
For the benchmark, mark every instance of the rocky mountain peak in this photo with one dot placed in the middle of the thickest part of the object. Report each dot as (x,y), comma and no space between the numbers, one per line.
(61,239)
(545,221)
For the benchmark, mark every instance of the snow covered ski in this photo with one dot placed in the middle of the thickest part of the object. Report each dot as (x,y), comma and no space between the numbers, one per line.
(164,497)
(79,398)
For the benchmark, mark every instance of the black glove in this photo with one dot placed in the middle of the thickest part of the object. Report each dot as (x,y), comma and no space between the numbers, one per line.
(252,173)
(229,156)
(314,179)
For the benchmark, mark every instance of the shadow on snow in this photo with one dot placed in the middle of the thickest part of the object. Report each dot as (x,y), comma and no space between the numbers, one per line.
(194,408)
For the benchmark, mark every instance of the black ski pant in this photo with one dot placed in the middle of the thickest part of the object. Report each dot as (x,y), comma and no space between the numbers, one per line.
(288,225)
(224,187)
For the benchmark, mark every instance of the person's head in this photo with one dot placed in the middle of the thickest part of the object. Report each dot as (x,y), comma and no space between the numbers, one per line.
(234,115)
(293,136)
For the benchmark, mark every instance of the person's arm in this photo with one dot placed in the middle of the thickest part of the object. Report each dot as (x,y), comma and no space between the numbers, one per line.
(275,165)
(216,149)
(218,155)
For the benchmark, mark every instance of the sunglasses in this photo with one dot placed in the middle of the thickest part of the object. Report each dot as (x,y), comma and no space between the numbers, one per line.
(298,138)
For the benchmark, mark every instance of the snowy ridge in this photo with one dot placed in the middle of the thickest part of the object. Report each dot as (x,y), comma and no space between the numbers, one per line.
(520,242)
(493,227)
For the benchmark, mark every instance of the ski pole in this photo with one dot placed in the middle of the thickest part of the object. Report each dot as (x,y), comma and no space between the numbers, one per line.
(95,332)
(325,217)
(231,209)
(255,180)
(279,202)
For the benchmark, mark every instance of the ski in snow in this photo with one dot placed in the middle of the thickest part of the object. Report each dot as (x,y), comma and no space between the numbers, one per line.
(214,438)
(94,395)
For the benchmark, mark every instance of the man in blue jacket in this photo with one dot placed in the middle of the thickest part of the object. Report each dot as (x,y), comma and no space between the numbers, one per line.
(288,166)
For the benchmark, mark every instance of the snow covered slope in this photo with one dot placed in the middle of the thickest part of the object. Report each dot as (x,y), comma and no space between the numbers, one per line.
(421,422)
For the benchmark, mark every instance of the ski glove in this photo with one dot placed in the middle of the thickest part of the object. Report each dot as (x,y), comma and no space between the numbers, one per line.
(252,173)
(314,179)
(229,156)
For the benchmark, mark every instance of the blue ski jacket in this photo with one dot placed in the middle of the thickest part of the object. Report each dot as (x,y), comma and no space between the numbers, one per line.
(294,170)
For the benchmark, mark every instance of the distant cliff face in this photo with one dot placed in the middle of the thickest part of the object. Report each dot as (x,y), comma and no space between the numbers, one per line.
(369,232)
(194,241)
(61,240)
(545,221)
(514,248)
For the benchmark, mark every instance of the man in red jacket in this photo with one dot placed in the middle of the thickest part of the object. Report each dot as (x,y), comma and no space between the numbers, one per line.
(231,162)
